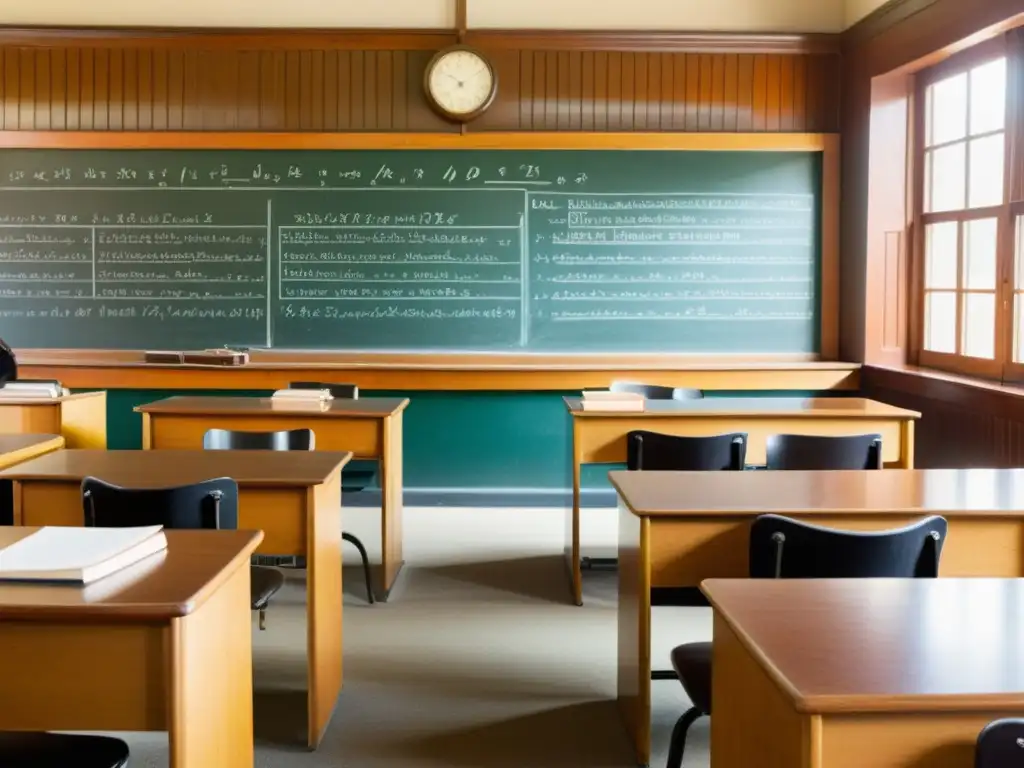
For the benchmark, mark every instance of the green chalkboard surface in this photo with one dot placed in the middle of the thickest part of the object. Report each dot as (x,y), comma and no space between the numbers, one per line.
(552,251)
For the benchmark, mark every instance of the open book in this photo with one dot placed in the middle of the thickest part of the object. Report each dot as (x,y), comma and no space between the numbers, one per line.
(79,555)
(606,400)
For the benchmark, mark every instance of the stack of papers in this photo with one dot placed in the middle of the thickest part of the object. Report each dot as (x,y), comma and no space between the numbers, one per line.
(606,400)
(303,395)
(78,555)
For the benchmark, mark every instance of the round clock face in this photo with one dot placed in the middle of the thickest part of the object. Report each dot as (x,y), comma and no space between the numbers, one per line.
(461,83)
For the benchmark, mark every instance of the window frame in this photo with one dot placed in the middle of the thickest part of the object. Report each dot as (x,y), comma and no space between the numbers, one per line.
(1001,365)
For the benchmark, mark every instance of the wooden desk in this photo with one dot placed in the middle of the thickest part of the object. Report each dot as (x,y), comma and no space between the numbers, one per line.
(371,428)
(80,419)
(18,448)
(600,438)
(293,497)
(165,645)
(679,528)
(890,673)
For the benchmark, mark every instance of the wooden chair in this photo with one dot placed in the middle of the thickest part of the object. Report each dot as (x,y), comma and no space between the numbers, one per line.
(58,750)
(284,440)
(784,548)
(211,504)
(822,452)
(656,391)
(1000,744)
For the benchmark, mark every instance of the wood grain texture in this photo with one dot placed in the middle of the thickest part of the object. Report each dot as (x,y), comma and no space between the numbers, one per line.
(312,82)
(797,628)
(158,469)
(974,424)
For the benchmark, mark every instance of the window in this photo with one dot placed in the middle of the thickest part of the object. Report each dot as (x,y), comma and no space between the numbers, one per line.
(964,216)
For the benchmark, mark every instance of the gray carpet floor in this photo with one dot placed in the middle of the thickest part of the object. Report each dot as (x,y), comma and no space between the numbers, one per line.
(478,659)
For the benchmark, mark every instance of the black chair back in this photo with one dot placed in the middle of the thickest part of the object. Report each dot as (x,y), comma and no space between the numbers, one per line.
(285,440)
(784,548)
(340,391)
(1000,744)
(656,391)
(654,451)
(820,452)
(211,504)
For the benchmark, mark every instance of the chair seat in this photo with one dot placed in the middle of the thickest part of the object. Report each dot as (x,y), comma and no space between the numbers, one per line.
(58,750)
(265,582)
(692,663)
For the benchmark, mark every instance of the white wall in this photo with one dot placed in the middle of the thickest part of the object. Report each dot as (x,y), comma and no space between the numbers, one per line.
(857,9)
(695,15)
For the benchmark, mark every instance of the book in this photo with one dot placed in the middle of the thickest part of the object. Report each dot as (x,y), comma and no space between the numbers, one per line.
(78,555)
(43,390)
(606,400)
(607,394)
(629,404)
(303,395)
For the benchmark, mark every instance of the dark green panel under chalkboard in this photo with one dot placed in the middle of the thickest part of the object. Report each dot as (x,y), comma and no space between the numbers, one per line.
(546,251)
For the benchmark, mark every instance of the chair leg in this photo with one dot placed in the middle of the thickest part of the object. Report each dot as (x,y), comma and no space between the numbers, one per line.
(675,749)
(263,619)
(366,563)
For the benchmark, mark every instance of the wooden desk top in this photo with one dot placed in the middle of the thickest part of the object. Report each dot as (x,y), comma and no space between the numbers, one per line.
(993,492)
(163,586)
(14,448)
(54,401)
(368,407)
(163,468)
(883,645)
(756,407)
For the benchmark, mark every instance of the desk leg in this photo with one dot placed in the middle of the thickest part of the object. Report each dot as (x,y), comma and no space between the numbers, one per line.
(210,685)
(572,524)
(391,504)
(323,606)
(634,614)
(907,444)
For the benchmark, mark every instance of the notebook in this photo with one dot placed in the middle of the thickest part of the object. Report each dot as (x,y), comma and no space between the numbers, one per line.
(78,555)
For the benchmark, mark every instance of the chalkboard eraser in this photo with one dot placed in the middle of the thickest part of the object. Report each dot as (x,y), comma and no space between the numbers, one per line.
(164,357)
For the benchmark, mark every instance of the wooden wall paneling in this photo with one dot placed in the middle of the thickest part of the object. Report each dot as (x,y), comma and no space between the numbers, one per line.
(131,105)
(260,82)
(73,79)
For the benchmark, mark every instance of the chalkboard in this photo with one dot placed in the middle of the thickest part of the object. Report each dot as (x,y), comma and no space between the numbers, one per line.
(551,251)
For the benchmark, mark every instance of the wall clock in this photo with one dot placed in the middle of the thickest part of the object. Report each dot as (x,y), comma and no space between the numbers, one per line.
(460,83)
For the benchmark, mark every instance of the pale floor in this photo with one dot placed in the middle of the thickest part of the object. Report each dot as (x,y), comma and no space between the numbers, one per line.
(479,659)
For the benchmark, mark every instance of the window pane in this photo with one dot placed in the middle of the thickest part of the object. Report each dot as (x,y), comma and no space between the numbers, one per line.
(1018,345)
(988,97)
(980,254)
(980,325)
(946,181)
(940,255)
(986,183)
(948,110)
(940,322)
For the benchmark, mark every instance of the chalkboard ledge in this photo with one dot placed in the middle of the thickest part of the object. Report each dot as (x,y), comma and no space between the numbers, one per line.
(442,371)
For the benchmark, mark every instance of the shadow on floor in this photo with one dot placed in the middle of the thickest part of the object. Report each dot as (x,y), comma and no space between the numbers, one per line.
(586,735)
(537,578)
(279,718)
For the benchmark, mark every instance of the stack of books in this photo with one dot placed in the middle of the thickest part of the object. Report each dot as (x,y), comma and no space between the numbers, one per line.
(303,395)
(78,555)
(606,400)
(32,390)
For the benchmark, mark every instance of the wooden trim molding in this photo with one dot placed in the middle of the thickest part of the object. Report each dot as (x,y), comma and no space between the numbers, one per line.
(651,41)
(239,39)
(738,142)
(268,371)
